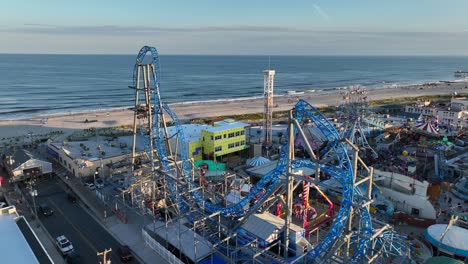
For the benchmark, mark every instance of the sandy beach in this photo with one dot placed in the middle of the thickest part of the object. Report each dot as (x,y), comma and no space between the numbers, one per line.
(188,111)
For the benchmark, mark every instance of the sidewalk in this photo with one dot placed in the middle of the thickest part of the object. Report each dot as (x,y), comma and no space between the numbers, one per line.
(130,234)
(47,241)
(15,197)
(88,198)
(127,234)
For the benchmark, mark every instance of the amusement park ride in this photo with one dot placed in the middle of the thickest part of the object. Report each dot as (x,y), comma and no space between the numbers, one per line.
(357,119)
(168,190)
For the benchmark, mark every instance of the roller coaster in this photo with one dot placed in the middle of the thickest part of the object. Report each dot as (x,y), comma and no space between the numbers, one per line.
(352,237)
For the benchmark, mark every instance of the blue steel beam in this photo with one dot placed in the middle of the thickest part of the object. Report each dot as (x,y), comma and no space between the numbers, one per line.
(340,168)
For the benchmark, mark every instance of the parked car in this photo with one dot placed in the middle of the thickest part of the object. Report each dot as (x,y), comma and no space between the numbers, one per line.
(71,198)
(45,210)
(64,245)
(74,258)
(99,183)
(90,186)
(124,253)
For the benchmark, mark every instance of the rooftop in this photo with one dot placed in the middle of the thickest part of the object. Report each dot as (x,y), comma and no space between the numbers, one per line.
(267,167)
(225,125)
(447,108)
(173,232)
(92,149)
(263,225)
(192,132)
(18,240)
(21,156)
(454,241)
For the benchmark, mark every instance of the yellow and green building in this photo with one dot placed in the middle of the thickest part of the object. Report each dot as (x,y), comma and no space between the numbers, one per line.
(210,142)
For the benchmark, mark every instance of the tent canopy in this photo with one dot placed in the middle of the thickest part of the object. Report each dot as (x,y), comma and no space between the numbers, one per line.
(427,128)
(455,240)
(258,161)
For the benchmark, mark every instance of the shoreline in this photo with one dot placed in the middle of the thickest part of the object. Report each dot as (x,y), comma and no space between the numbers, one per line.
(69,122)
(310,92)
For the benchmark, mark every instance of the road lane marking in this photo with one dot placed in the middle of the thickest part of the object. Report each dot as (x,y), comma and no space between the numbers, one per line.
(73,226)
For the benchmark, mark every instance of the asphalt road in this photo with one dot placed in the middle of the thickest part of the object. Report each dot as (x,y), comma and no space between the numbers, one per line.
(87,236)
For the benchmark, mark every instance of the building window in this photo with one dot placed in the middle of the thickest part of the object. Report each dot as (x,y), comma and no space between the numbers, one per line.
(211,137)
(218,137)
(219,148)
(242,142)
(230,135)
(230,146)
(242,132)
(237,144)
(237,133)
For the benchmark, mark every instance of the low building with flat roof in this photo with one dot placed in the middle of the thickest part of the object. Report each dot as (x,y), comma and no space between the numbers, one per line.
(18,241)
(84,158)
(177,243)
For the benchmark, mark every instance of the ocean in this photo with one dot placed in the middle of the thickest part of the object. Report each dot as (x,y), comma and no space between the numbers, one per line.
(39,85)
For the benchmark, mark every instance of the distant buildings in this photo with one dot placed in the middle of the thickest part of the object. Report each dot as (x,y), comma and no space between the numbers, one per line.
(455,114)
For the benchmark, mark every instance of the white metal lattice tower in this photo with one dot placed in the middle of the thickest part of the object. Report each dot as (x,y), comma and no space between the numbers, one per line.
(268,80)
(143,110)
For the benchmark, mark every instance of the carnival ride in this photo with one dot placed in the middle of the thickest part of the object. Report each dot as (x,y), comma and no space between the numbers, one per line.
(351,237)
(358,122)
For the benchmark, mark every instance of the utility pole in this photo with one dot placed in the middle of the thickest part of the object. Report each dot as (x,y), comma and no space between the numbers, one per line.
(104,256)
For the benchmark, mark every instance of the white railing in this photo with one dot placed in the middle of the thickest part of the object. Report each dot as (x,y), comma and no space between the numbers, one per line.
(160,249)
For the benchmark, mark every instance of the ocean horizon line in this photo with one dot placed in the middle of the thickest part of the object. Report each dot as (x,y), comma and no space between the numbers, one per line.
(251,55)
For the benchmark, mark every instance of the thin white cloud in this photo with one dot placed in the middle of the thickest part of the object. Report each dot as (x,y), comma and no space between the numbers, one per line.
(113,30)
(321,12)
(242,40)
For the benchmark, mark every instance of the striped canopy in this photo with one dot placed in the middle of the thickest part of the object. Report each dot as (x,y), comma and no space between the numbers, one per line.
(257,161)
(427,127)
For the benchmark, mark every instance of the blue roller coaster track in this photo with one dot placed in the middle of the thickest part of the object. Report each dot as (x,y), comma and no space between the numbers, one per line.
(339,167)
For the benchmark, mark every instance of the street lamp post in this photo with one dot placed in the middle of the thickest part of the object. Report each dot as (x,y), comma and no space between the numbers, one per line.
(95,175)
(33,195)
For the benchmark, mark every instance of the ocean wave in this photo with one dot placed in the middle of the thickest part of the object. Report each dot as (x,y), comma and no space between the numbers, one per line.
(90,82)
(47,112)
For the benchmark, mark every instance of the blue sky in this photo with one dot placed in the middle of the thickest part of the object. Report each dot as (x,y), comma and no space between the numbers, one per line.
(301,27)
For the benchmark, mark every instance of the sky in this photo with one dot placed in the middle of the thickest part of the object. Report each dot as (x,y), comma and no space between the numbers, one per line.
(255,27)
